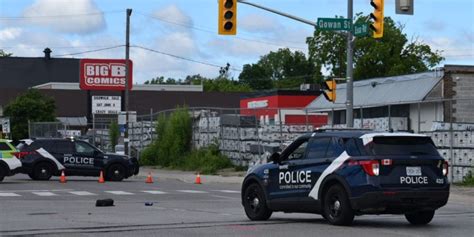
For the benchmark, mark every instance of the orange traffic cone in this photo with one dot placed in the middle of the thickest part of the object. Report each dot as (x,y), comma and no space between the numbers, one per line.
(149,179)
(101,177)
(62,179)
(198,179)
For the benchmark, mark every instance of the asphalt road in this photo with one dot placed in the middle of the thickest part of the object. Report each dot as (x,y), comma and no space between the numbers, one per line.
(184,209)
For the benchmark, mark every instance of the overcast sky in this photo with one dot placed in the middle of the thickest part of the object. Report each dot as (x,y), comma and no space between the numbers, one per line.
(188,29)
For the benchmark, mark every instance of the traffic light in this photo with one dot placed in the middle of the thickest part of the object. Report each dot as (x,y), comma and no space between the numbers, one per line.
(227,17)
(329,90)
(377,17)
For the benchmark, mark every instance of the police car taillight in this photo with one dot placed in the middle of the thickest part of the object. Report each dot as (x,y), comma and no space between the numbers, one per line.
(22,154)
(371,167)
(445,168)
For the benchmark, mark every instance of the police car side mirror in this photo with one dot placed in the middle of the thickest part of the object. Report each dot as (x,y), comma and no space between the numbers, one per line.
(275,157)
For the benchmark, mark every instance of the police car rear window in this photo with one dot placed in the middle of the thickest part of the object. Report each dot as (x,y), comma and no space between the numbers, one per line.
(402,146)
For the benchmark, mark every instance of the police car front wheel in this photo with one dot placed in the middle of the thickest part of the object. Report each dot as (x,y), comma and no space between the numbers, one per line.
(337,209)
(420,217)
(255,204)
(116,172)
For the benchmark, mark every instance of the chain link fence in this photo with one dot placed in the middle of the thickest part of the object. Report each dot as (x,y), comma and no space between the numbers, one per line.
(250,136)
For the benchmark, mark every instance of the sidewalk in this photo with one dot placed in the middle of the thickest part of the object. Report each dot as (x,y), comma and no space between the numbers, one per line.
(190,176)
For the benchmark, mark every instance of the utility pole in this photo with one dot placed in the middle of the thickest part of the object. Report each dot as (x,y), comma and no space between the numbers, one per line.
(349,71)
(127,57)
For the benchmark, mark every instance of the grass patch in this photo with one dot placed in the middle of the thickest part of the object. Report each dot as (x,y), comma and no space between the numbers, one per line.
(468,180)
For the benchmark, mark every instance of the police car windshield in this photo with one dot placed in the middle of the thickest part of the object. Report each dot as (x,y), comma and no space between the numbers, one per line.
(400,146)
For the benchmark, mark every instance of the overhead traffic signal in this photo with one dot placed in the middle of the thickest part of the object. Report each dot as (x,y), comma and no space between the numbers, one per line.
(227,17)
(377,17)
(329,90)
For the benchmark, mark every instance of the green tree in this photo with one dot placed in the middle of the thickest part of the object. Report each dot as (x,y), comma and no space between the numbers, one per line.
(31,106)
(284,69)
(114,134)
(256,76)
(391,55)
(4,54)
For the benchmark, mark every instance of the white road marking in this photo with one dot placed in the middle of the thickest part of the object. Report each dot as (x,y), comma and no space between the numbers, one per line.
(38,190)
(82,193)
(227,191)
(154,192)
(191,191)
(9,195)
(119,192)
(44,194)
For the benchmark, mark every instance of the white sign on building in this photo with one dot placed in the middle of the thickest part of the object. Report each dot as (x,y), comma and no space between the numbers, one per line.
(5,123)
(106,104)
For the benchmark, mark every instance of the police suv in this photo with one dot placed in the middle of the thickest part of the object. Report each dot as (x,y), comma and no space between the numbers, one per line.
(43,158)
(340,174)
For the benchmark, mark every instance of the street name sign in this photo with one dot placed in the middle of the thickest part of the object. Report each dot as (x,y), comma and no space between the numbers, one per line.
(334,24)
(361,29)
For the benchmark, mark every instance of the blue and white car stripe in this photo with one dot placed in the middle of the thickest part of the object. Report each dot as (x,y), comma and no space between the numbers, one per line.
(314,193)
(47,155)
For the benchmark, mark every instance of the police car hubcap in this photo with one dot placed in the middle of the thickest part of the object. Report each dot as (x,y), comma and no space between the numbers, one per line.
(43,171)
(255,202)
(116,172)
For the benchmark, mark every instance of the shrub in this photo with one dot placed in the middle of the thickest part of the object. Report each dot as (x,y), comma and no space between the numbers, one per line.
(173,147)
(468,180)
(206,160)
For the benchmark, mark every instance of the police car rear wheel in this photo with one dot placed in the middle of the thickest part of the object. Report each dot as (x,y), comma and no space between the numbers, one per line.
(337,209)
(116,172)
(42,171)
(255,204)
(3,173)
(420,218)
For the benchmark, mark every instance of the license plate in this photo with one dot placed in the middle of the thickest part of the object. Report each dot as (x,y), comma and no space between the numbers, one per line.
(414,171)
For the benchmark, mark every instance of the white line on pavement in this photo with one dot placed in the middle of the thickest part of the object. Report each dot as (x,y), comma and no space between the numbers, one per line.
(119,192)
(82,193)
(191,191)
(44,194)
(154,192)
(227,191)
(9,195)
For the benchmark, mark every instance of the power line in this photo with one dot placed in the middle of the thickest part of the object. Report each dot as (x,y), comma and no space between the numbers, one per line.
(90,51)
(183,58)
(213,32)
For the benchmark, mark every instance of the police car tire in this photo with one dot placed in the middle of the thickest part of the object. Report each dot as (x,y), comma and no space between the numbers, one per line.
(111,174)
(38,170)
(420,218)
(261,211)
(344,214)
(3,173)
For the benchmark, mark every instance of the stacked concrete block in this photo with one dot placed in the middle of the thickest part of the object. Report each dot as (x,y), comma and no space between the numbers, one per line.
(459,173)
(382,124)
